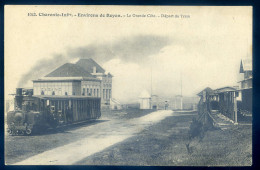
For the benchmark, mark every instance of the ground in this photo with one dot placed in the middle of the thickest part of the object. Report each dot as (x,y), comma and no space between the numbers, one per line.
(164,144)
(134,137)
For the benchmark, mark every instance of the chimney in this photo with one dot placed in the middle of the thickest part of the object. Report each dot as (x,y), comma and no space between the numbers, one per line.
(94,69)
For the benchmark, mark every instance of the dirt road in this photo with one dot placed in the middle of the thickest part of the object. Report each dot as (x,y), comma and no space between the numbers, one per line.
(163,144)
(155,139)
(60,148)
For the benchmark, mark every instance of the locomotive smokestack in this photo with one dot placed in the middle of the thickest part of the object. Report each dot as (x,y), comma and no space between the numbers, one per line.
(19,91)
(18,98)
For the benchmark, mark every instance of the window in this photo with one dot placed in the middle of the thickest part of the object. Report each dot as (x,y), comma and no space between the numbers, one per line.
(42,93)
(97,92)
(94,92)
(66,93)
(104,91)
(87,92)
(53,92)
(109,93)
(53,108)
(90,93)
(83,93)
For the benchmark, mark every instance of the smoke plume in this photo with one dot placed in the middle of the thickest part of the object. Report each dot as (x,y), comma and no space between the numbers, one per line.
(135,49)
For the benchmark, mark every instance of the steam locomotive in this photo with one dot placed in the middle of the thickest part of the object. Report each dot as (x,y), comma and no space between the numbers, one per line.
(34,112)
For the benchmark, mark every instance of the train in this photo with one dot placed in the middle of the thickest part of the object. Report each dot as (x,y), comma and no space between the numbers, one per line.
(35,112)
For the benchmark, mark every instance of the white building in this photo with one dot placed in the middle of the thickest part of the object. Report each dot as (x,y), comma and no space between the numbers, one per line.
(85,78)
(178,102)
(145,100)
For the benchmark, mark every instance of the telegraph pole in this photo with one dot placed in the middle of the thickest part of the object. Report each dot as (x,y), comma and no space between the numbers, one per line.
(151,80)
(151,84)
(181,91)
(181,83)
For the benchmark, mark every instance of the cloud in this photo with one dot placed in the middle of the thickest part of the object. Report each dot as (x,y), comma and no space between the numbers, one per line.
(171,66)
(133,59)
(129,79)
(135,49)
(42,68)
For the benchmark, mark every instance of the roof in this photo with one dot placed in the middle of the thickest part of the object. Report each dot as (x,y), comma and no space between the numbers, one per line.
(246,79)
(225,89)
(208,90)
(109,74)
(245,65)
(112,100)
(69,70)
(64,97)
(88,64)
(65,79)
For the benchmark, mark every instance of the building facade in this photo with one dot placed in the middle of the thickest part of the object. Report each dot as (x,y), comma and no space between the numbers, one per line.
(56,87)
(246,85)
(85,78)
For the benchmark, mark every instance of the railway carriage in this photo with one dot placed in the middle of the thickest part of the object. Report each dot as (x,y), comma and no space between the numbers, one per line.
(34,112)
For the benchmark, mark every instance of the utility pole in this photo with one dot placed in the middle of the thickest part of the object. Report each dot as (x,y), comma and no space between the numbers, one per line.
(151,80)
(181,83)
(151,102)
(181,91)
(235,106)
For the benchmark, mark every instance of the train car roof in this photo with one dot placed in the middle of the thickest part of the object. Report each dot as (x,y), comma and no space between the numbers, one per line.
(64,97)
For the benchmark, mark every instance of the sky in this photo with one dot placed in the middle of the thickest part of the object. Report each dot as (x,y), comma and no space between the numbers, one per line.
(203,50)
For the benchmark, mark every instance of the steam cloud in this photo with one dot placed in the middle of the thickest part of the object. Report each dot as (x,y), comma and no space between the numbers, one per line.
(136,49)
(42,68)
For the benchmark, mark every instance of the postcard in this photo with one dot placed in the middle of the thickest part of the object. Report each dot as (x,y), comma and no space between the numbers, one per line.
(128,85)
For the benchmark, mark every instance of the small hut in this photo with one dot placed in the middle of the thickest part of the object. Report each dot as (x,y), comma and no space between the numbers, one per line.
(227,102)
(145,100)
(178,103)
(207,91)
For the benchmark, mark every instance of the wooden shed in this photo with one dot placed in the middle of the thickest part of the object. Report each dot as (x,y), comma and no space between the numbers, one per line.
(227,102)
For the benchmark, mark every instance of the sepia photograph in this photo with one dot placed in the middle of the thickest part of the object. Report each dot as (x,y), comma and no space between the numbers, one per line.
(128,85)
